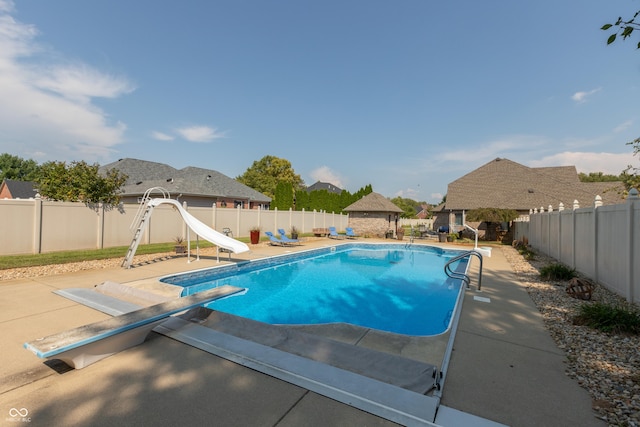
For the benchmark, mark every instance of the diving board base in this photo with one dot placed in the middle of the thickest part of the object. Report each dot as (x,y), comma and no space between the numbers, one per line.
(80,357)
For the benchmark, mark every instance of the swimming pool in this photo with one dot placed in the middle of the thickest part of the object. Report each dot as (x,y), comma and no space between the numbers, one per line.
(387,287)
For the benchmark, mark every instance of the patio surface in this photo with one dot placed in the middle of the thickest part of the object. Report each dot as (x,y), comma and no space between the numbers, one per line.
(504,366)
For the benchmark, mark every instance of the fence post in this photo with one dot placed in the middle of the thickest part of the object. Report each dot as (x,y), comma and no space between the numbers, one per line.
(631,199)
(37,226)
(100,233)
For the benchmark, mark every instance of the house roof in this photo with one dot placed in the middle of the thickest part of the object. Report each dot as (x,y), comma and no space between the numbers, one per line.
(505,184)
(143,175)
(19,189)
(373,202)
(324,186)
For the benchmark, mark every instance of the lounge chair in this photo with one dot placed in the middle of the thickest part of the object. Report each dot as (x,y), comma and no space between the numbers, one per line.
(273,239)
(333,234)
(350,233)
(285,239)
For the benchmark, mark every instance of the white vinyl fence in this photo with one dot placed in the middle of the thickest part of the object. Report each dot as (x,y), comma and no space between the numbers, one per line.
(36,226)
(601,242)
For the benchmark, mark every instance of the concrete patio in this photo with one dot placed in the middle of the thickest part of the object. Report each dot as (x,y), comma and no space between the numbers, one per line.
(504,367)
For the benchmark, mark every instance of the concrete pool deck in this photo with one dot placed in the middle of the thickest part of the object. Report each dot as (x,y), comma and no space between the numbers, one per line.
(504,366)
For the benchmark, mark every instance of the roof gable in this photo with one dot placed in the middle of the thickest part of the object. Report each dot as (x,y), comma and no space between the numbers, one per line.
(18,189)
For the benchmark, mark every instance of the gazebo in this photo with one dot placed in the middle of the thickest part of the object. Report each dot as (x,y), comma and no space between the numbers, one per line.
(374,215)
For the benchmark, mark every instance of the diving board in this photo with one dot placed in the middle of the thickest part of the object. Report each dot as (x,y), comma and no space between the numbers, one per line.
(87,344)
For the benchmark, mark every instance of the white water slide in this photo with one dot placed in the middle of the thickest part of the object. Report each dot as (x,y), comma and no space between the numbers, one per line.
(203,230)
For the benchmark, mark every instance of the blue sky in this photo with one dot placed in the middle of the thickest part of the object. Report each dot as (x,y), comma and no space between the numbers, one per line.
(405,95)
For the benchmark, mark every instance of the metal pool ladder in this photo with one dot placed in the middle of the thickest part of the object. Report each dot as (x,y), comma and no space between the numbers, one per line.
(463,276)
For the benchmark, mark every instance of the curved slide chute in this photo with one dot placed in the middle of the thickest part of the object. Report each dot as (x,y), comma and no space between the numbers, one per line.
(203,230)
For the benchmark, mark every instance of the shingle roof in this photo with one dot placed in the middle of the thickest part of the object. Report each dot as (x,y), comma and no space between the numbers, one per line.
(187,181)
(324,186)
(373,202)
(20,189)
(505,184)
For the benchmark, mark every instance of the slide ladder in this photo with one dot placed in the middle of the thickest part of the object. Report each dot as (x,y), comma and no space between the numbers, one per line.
(140,222)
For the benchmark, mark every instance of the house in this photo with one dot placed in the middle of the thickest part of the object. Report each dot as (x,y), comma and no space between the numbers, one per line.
(423,212)
(12,189)
(196,186)
(324,186)
(505,184)
(373,215)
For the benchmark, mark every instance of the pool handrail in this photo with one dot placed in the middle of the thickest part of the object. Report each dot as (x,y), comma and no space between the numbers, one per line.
(463,276)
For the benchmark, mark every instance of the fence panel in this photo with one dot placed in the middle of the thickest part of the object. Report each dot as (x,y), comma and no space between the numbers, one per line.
(600,242)
(66,224)
(20,221)
(566,237)
(610,250)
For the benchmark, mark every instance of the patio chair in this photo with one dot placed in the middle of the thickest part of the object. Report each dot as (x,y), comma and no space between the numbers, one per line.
(350,233)
(285,239)
(273,239)
(333,234)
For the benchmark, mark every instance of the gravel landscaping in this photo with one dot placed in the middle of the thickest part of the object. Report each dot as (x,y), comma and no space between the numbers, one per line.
(607,365)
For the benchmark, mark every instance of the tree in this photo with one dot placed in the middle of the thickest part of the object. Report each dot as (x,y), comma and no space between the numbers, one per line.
(79,182)
(493,217)
(630,177)
(283,196)
(265,174)
(598,177)
(622,28)
(17,168)
(409,206)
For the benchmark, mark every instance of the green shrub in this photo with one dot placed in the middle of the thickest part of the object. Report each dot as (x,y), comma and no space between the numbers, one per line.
(557,272)
(608,318)
(526,253)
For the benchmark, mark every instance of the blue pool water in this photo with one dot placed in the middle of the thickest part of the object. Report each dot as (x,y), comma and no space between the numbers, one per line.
(385,287)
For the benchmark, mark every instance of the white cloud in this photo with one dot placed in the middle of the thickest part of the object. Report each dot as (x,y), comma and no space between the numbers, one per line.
(200,133)
(160,136)
(586,162)
(325,174)
(47,107)
(81,82)
(437,197)
(623,126)
(581,97)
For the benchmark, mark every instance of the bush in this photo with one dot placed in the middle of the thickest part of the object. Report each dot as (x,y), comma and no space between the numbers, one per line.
(557,272)
(608,318)
(526,253)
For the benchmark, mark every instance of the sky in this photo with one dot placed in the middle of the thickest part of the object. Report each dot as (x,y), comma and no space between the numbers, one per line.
(405,95)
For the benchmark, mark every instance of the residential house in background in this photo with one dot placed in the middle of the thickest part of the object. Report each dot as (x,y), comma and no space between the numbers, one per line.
(13,189)
(505,184)
(324,186)
(373,215)
(196,186)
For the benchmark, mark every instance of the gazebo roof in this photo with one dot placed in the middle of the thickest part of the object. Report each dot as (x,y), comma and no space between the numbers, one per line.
(373,202)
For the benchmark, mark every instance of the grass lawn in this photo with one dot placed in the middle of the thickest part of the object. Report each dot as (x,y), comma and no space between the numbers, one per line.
(64,257)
